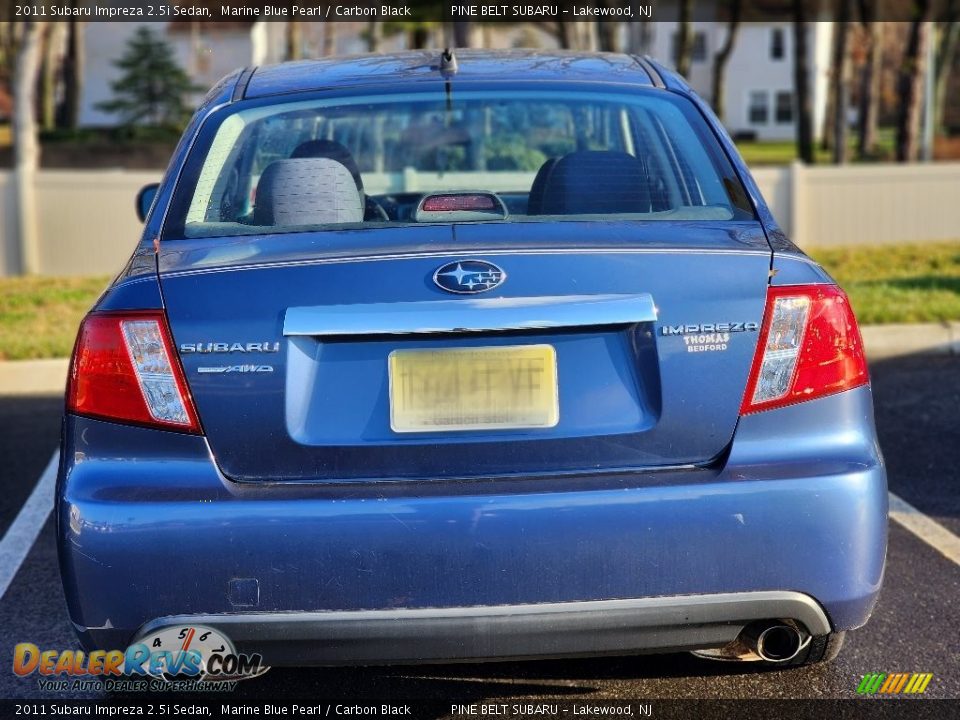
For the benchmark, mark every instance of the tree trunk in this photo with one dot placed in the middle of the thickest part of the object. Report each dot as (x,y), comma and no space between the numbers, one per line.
(461,34)
(419,37)
(48,76)
(608,33)
(946,57)
(801,83)
(73,76)
(869,113)
(294,40)
(561,31)
(684,38)
(722,57)
(25,146)
(374,35)
(329,39)
(9,46)
(586,36)
(841,81)
(911,82)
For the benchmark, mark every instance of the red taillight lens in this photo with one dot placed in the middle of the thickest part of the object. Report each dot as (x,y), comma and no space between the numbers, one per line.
(124,368)
(442,203)
(809,347)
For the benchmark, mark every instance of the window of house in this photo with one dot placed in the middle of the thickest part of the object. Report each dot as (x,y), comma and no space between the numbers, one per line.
(758,112)
(699,47)
(783,110)
(777,44)
(698,50)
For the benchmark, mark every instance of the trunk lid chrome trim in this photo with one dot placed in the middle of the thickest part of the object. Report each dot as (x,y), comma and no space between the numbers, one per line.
(469,315)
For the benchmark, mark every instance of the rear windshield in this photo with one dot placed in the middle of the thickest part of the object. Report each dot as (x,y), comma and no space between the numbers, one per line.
(467,156)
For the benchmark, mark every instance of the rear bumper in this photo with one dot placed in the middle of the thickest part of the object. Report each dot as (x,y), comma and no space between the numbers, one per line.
(148,529)
(369,637)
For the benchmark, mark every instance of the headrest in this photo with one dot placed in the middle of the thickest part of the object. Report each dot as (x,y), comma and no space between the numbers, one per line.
(591,182)
(535,198)
(307,191)
(329,149)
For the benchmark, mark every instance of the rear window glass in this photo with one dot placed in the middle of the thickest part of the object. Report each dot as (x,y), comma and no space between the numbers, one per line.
(470,156)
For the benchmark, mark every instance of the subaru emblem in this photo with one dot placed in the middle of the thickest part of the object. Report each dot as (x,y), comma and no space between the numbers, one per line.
(469,276)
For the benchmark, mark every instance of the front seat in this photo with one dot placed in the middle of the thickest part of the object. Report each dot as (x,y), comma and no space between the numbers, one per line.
(594,182)
(307,191)
(335,151)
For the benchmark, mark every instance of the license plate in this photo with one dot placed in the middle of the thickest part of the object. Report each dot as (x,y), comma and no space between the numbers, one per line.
(483,388)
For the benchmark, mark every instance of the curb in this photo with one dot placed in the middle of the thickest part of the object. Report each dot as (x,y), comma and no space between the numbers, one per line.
(34,377)
(889,341)
(882,342)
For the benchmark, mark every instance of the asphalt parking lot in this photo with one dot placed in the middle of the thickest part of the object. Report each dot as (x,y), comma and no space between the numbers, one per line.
(915,628)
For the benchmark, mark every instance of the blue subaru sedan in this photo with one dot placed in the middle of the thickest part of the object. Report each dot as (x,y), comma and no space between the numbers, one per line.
(477,356)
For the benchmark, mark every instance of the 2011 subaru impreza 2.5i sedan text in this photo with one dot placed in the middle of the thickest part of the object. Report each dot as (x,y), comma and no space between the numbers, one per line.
(427,357)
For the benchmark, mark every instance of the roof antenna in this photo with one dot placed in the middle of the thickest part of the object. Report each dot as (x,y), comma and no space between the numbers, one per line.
(448,63)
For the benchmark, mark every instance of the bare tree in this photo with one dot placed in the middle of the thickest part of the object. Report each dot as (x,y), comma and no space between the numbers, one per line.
(25,146)
(374,35)
(946,57)
(841,81)
(869,112)
(49,73)
(911,83)
(294,38)
(419,35)
(723,56)
(608,33)
(461,33)
(73,67)
(561,32)
(329,39)
(684,38)
(801,83)
(585,32)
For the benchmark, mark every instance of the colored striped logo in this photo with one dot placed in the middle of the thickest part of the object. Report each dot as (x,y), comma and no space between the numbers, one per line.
(894,683)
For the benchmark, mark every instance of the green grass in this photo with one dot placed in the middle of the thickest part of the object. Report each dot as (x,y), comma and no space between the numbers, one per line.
(784,152)
(39,316)
(899,283)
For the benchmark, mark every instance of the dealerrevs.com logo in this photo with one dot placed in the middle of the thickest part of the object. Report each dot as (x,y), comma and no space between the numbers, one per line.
(192,657)
(894,683)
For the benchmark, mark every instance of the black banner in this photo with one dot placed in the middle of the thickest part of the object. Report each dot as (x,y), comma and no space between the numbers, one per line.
(493,709)
(218,11)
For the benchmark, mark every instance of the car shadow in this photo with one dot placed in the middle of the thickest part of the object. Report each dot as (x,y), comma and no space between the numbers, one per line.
(469,682)
(915,404)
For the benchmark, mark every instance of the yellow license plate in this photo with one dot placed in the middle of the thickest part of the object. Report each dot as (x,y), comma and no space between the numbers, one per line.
(484,388)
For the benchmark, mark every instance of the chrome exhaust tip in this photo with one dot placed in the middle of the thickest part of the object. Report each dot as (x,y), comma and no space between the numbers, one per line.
(775,642)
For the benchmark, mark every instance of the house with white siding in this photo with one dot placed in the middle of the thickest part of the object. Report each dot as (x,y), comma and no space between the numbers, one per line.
(759,96)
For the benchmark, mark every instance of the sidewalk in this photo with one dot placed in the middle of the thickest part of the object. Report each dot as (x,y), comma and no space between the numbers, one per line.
(45,377)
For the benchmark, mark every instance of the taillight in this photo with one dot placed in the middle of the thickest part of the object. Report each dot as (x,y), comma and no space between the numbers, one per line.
(124,369)
(809,347)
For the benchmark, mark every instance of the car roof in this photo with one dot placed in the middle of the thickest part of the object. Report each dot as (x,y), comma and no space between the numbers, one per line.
(423,65)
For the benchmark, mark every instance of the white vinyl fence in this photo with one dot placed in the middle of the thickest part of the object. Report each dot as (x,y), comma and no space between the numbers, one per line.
(88,225)
(864,204)
(87,221)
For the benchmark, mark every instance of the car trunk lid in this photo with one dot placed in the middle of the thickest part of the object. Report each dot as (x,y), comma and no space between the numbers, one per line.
(287,342)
